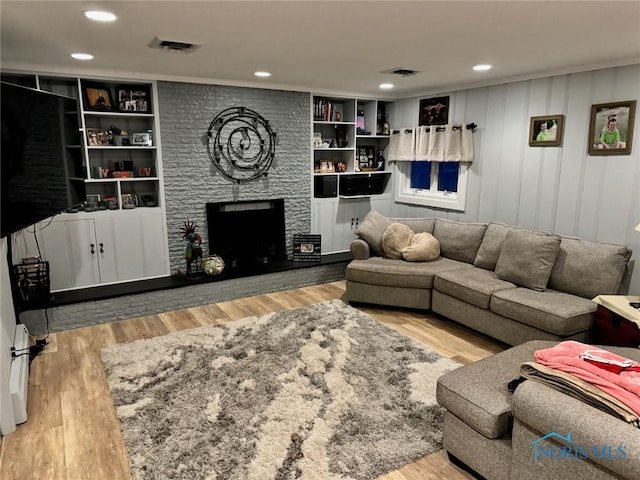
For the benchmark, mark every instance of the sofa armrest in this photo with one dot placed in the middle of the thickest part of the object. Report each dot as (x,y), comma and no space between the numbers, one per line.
(545,410)
(360,249)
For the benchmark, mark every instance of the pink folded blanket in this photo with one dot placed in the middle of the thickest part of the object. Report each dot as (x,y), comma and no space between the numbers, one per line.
(616,375)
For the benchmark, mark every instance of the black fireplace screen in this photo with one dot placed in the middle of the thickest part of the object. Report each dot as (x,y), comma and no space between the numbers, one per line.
(247,234)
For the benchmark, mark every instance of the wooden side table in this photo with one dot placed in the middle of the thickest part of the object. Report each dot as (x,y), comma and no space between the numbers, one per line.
(616,322)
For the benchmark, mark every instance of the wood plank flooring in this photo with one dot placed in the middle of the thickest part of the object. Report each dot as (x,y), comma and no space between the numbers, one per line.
(73,432)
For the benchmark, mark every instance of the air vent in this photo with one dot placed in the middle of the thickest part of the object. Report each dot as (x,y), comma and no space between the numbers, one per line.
(173,46)
(403,72)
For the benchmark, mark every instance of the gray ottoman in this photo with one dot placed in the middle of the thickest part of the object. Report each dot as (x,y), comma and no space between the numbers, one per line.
(477,425)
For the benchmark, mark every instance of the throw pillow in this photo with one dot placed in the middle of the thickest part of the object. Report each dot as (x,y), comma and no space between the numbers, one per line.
(372,228)
(527,258)
(424,248)
(459,240)
(491,245)
(396,237)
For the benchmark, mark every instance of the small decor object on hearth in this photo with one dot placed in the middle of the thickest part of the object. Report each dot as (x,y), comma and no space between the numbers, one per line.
(241,144)
(213,265)
(193,251)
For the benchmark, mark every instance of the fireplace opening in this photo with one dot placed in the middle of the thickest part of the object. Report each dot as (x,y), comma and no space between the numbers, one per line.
(247,234)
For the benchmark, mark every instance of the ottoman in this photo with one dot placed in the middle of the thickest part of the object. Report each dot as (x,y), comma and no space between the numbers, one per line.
(477,424)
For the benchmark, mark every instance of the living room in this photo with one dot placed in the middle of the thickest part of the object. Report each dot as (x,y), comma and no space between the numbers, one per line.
(563,190)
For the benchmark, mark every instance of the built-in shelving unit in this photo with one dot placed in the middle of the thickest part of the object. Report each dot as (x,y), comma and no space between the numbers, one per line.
(349,177)
(120,234)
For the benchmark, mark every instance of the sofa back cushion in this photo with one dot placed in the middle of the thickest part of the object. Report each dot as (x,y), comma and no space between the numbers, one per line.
(527,258)
(459,240)
(491,245)
(418,225)
(372,228)
(396,237)
(588,269)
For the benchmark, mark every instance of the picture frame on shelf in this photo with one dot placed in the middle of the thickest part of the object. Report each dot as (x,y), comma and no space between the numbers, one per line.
(366,159)
(134,98)
(141,139)
(97,97)
(129,200)
(611,128)
(327,166)
(546,131)
(93,201)
(97,137)
(111,201)
(434,111)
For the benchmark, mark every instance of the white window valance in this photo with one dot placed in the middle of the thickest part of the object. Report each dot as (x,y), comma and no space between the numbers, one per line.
(444,143)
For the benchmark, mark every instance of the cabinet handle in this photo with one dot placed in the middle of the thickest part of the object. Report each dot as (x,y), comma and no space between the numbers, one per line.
(93,249)
(352,219)
(102,248)
(357,221)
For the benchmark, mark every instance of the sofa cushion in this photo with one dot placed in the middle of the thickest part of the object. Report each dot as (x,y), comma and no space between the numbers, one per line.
(473,285)
(372,228)
(491,245)
(477,393)
(424,248)
(527,257)
(589,268)
(459,240)
(556,312)
(396,237)
(418,225)
(398,273)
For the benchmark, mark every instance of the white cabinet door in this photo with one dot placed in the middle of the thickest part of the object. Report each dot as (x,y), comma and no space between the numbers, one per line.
(349,215)
(154,245)
(71,250)
(132,246)
(324,223)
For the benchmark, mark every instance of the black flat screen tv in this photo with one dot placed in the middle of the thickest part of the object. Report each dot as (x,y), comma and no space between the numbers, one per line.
(41,158)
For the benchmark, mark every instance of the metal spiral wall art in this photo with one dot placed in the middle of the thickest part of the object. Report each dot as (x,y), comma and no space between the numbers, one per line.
(241,144)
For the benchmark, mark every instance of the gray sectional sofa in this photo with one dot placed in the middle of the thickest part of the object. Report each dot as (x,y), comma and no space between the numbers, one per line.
(512,283)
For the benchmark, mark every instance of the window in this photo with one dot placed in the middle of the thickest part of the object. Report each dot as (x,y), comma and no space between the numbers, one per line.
(432,184)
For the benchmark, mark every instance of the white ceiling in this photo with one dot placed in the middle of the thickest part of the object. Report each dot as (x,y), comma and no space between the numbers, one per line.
(325,46)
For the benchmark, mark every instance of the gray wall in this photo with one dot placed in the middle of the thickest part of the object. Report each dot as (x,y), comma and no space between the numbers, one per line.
(190,181)
(563,189)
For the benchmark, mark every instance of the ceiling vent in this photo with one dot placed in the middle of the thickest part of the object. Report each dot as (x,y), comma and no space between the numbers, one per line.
(403,72)
(173,46)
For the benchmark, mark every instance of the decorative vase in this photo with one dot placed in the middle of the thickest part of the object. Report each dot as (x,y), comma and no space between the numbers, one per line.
(213,265)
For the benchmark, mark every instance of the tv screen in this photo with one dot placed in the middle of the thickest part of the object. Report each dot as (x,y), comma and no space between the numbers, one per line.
(41,158)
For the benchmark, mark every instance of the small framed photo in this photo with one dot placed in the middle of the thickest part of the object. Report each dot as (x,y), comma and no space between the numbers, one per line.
(546,131)
(134,98)
(141,139)
(97,97)
(366,161)
(93,199)
(434,111)
(611,128)
(129,200)
(111,201)
(327,166)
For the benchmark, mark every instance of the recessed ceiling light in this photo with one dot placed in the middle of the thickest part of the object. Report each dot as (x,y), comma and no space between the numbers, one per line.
(386,86)
(100,15)
(482,67)
(262,74)
(82,56)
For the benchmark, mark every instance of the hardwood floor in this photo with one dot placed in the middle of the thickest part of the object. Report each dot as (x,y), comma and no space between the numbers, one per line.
(73,432)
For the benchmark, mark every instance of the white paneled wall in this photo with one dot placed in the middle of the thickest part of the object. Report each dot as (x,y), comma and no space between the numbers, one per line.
(557,189)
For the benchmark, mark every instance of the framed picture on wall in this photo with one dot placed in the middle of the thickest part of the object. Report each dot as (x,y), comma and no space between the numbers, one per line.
(434,111)
(546,131)
(611,128)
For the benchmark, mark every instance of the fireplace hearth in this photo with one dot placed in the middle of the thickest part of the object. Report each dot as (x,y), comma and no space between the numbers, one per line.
(248,235)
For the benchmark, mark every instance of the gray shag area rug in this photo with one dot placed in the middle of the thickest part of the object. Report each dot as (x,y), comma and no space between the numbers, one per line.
(321,392)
